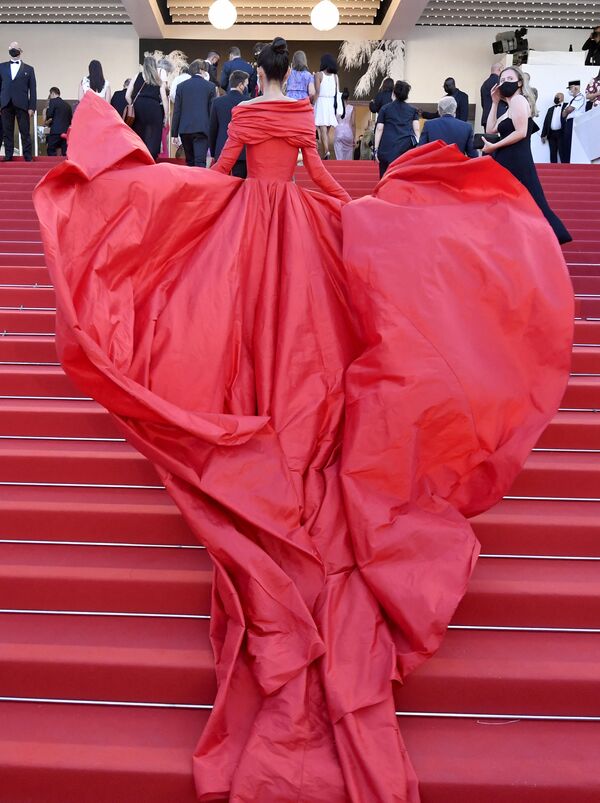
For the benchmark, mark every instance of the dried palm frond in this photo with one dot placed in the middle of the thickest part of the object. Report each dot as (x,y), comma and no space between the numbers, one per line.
(384,58)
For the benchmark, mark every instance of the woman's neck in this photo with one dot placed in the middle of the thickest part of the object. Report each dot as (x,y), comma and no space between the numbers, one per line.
(272,91)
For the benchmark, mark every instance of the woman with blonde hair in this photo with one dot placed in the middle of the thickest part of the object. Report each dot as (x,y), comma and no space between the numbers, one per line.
(300,82)
(513,150)
(148,96)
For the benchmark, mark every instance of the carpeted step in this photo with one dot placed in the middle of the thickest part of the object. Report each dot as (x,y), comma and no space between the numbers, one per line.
(9,257)
(36,381)
(31,297)
(572,430)
(540,527)
(509,670)
(28,349)
(107,658)
(522,592)
(587,333)
(79,419)
(564,474)
(582,392)
(132,579)
(88,462)
(92,515)
(586,360)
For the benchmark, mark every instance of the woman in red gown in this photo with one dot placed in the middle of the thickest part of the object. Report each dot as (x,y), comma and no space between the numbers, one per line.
(325,409)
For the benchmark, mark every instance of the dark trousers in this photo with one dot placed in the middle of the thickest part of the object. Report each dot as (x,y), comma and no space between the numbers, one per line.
(56,143)
(555,142)
(565,145)
(195,147)
(239,169)
(10,113)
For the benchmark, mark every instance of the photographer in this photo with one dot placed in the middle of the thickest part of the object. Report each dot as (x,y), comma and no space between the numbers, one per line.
(592,45)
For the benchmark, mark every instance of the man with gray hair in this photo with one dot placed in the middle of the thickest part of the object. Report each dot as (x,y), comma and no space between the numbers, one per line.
(448,129)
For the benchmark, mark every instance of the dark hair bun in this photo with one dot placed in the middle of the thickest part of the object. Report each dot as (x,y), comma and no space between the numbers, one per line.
(279,45)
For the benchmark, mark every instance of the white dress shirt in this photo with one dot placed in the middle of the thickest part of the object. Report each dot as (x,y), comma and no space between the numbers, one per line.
(579,105)
(184,76)
(15,66)
(556,123)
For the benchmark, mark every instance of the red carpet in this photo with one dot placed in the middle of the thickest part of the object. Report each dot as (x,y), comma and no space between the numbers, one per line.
(85,528)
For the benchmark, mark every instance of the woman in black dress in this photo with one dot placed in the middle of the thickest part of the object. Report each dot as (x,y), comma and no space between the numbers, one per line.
(397,128)
(513,150)
(149,97)
(383,96)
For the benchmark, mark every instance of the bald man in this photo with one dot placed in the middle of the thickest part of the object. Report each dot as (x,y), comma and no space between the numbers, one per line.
(485,91)
(18,101)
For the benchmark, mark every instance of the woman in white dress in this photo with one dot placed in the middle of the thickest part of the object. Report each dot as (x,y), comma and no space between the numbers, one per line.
(95,82)
(327,88)
(345,133)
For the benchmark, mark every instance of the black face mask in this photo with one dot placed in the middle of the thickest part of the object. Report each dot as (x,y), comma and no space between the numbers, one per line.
(13,52)
(556,101)
(508,88)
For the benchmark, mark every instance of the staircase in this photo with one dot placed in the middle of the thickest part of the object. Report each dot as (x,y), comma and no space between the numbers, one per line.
(105,665)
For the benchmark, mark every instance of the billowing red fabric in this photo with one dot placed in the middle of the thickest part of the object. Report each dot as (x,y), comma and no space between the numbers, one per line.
(327,390)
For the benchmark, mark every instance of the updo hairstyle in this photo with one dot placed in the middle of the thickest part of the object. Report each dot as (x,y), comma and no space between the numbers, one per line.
(274,58)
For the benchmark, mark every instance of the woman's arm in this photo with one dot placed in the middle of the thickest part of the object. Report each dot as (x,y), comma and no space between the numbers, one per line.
(416,128)
(520,116)
(491,124)
(312,93)
(353,124)
(378,135)
(165,103)
(322,177)
(81,93)
(108,93)
(229,155)
(317,84)
(129,93)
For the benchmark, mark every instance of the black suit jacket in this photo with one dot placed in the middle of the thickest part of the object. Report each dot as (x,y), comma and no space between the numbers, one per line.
(21,91)
(548,120)
(118,101)
(486,98)
(462,107)
(220,117)
(192,106)
(451,131)
(239,64)
(60,114)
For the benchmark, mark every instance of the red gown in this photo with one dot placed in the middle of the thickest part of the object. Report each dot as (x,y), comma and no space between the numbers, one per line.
(327,389)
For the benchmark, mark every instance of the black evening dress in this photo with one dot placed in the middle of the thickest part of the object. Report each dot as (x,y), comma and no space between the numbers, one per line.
(149,115)
(517,159)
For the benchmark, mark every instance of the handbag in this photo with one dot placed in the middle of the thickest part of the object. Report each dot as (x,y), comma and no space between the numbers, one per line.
(129,111)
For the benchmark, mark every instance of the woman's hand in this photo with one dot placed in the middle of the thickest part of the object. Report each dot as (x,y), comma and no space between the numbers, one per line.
(495,94)
(488,147)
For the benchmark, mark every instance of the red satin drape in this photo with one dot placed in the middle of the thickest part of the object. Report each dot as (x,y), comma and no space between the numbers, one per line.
(327,390)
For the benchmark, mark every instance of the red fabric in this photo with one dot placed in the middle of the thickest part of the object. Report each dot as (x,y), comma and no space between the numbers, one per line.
(327,390)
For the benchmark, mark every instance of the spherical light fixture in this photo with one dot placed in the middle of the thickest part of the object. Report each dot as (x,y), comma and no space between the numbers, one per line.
(324,16)
(222,14)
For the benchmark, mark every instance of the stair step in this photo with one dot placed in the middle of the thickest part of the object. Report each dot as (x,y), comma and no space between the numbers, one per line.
(585,360)
(27,322)
(128,659)
(540,527)
(28,349)
(116,515)
(18,221)
(562,474)
(583,392)
(9,257)
(64,418)
(90,462)
(93,578)
(587,332)
(56,751)
(507,671)
(26,380)
(516,592)
(20,234)
(572,430)
(34,297)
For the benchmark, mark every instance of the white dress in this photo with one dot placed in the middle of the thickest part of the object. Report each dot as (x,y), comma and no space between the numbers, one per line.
(324,111)
(85,84)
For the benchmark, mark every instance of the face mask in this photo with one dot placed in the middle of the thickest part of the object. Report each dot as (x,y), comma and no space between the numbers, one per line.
(508,88)
(556,101)
(13,52)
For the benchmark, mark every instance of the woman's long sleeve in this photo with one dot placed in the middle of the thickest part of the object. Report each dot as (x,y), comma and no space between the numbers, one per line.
(228,156)
(322,177)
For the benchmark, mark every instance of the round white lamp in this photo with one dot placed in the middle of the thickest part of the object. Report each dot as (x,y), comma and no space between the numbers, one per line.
(222,14)
(324,16)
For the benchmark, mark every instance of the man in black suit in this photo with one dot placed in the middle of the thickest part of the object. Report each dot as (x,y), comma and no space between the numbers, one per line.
(212,60)
(236,62)
(485,93)
(18,101)
(461,98)
(58,118)
(118,100)
(552,130)
(191,116)
(220,117)
(450,130)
